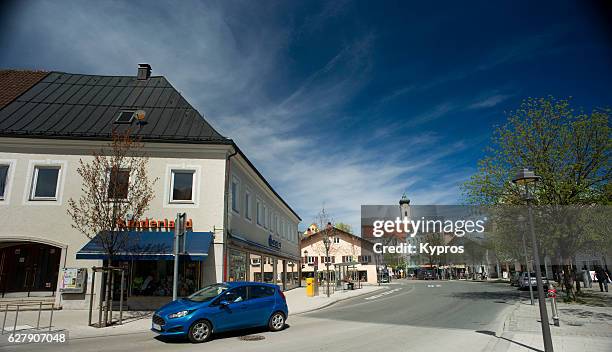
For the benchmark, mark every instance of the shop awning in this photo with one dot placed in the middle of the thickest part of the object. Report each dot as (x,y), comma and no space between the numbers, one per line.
(150,245)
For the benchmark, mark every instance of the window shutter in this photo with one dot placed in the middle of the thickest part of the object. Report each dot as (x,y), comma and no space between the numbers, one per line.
(316,260)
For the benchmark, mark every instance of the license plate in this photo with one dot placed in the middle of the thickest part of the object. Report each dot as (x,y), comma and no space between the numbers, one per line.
(157,327)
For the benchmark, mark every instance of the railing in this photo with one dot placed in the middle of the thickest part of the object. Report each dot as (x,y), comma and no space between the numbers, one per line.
(16,307)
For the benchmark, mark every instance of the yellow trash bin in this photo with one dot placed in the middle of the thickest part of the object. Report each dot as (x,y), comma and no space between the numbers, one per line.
(310,287)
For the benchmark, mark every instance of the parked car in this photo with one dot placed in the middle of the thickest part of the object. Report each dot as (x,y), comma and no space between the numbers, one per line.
(222,307)
(426,275)
(524,281)
(514,278)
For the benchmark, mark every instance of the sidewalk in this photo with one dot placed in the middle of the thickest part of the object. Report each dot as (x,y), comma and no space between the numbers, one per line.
(582,327)
(75,321)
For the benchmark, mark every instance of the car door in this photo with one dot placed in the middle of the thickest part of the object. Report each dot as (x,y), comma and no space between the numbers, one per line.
(260,304)
(235,313)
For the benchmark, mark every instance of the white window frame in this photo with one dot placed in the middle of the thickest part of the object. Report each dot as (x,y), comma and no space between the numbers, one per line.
(38,167)
(169,186)
(336,239)
(310,259)
(174,171)
(235,198)
(4,198)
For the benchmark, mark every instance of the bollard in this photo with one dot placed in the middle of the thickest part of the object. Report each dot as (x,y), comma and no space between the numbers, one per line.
(552,294)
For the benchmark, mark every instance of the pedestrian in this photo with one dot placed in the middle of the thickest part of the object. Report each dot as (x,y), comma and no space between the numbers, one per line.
(602,278)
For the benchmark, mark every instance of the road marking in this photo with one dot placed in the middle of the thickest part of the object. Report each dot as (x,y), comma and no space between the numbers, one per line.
(434,285)
(383,294)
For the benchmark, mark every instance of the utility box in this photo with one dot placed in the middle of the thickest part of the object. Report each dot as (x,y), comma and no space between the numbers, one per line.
(73,280)
(310,287)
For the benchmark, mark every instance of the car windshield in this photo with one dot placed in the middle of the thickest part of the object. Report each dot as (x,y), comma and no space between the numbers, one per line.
(207,293)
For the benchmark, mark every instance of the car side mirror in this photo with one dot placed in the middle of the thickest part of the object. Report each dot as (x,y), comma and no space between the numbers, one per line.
(223,304)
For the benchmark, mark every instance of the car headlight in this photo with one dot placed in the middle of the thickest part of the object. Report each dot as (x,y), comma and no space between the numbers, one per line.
(178,314)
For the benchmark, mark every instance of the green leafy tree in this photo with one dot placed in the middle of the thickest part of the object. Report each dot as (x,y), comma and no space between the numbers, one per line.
(344,227)
(570,150)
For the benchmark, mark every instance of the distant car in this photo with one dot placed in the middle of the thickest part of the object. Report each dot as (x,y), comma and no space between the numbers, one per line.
(222,307)
(426,275)
(525,281)
(514,278)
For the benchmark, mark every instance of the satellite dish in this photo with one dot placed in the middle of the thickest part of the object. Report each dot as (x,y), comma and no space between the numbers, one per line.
(140,115)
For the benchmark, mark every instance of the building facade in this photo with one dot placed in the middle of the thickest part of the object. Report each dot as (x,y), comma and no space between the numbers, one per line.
(349,257)
(239,226)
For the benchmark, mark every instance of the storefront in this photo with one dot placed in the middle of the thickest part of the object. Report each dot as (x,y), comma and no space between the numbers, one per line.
(149,265)
(251,261)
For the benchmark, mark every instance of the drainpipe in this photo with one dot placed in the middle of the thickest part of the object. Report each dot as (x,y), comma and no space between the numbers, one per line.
(226,209)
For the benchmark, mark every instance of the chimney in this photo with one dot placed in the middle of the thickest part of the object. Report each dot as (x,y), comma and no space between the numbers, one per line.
(144,71)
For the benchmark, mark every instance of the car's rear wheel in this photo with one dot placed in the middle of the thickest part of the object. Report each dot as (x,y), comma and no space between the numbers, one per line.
(200,331)
(277,321)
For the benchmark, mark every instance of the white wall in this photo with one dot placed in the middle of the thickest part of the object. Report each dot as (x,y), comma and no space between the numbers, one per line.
(48,222)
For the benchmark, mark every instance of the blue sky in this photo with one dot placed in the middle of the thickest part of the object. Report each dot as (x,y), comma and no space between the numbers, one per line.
(337,103)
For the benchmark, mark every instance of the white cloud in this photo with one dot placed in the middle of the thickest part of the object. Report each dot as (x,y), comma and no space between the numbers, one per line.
(224,62)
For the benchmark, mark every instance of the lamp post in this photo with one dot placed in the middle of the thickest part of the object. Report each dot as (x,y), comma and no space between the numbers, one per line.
(522,221)
(527,180)
(327,244)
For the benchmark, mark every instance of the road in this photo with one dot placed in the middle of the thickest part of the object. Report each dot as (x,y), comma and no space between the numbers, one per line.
(407,316)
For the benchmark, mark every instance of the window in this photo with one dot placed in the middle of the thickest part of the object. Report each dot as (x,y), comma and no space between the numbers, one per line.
(259,214)
(260,291)
(235,190)
(265,216)
(125,117)
(247,205)
(3,180)
(118,184)
(325,259)
(277,225)
(347,258)
(310,259)
(236,295)
(365,259)
(182,186)
(336,239)
(45,183)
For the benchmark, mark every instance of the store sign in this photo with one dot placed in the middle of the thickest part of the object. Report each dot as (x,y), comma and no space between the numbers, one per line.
(152,224)
(274,243)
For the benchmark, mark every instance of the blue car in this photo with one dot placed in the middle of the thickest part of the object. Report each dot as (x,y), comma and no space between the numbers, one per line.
(222,307)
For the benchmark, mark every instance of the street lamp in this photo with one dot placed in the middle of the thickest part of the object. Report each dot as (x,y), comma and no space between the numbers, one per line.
(527,180)
(327,244)
(521,219)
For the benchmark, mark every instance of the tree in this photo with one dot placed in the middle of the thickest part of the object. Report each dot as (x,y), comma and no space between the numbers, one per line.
(569,149)
(115,186)
(344,227)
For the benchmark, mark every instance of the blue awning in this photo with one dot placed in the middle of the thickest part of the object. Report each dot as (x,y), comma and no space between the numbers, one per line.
(150,245)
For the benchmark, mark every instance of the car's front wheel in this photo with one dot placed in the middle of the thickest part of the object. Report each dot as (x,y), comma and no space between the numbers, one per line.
(277,321)
(200,331)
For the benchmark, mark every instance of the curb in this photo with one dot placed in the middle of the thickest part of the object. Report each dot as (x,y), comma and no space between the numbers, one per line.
(336,301)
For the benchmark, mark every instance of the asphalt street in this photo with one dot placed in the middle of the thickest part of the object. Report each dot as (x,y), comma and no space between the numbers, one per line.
(406,316)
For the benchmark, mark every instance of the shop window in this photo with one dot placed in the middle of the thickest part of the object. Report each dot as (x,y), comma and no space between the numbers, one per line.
(255,271)
(45,183)
(118,184)
(268,270)
(182,186)
(3,180)
(235,190)
(237,266)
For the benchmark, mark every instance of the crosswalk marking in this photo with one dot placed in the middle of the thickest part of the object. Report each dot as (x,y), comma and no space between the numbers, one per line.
(383,294)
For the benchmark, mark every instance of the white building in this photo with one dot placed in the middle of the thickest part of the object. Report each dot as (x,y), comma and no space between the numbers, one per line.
(51,120)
